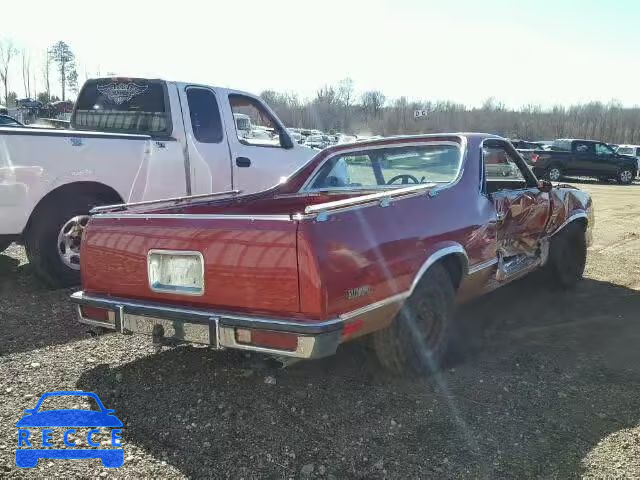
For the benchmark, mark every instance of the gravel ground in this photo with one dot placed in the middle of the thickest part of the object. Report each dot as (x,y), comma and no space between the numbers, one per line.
(549,387)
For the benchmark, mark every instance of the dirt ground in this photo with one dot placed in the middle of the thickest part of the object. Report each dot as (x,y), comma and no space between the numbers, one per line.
(549,387)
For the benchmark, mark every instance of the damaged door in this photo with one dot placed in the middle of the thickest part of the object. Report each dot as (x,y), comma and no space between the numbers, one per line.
(522,210)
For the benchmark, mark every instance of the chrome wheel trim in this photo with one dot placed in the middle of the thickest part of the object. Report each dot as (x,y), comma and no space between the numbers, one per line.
(554,174)
(626,176)
(69,241)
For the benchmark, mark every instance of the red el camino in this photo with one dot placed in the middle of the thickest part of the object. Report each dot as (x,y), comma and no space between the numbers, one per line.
(378,238)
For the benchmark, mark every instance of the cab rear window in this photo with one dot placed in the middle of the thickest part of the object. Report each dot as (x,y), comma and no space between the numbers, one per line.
(124,106)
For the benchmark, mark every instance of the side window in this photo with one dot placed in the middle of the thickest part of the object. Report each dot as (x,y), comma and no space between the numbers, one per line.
(205,115)
(582,147)
(602,149)
(254,124)
(499,165)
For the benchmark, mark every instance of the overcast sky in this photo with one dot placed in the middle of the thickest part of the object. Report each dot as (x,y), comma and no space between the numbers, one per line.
(520,52)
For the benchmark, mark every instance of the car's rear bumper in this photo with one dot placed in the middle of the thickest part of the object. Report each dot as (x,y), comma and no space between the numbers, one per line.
(215,328)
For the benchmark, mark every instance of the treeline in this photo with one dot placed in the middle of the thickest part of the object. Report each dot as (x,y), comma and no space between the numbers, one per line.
(338,109)
(37,72)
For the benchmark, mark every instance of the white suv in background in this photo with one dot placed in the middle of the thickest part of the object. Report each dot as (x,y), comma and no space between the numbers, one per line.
(632,150)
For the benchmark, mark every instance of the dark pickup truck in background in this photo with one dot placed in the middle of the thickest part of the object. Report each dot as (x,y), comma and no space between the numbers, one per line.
(586,158)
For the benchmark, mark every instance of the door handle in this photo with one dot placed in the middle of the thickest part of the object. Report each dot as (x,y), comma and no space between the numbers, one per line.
(243,162)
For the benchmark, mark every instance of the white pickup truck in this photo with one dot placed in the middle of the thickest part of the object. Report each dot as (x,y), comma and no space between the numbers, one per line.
(131,140)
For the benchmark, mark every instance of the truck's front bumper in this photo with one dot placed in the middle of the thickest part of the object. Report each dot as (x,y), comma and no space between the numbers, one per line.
(215,328)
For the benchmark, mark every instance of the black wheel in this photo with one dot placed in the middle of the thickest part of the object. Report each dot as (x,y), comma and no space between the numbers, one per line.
(625,176)
(554,173)
(53,239)
(567,256)
(419,337)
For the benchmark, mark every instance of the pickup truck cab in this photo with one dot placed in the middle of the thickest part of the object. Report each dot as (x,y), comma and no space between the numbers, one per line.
(131,140)
(377,238)
(583,158)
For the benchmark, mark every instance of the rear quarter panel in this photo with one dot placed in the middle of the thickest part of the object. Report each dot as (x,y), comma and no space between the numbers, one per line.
(383,248)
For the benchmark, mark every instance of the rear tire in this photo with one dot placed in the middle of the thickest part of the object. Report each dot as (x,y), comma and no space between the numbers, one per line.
(554,173)
(42,239)
(419,337)
(625,176)
(567,256)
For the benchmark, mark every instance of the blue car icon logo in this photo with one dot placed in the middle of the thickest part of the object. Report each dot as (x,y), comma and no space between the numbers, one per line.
(36,429)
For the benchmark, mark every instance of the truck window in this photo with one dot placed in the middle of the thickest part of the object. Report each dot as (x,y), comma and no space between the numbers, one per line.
(583,147)
(388,168)
(603,150)
(254,124)
(129,105)
(205,115)
(499,165)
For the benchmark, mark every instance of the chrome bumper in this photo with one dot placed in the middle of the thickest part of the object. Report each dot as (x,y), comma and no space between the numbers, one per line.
(214,328)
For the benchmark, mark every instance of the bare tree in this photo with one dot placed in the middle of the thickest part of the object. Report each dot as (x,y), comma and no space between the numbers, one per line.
(26,73)
(7,52)
(46,73)
(372,102)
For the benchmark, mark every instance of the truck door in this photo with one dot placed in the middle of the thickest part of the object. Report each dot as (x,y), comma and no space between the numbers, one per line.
(207,146)
(582,160)
(260,158)
(522,209)
(604,161)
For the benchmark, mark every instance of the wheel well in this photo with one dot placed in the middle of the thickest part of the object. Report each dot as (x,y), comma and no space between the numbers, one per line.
(103,193)
(580,221)
(455,266)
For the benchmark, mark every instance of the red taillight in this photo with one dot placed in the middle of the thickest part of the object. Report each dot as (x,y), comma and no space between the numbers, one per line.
(95,313)
(267,339)
(534,157)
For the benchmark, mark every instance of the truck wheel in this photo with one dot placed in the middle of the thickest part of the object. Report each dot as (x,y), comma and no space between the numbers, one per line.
(625,176)
(419,336)
(554,173)
(567,256)
(53,239)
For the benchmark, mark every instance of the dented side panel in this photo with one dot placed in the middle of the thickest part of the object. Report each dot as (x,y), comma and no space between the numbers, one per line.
(522,217)
(567,203)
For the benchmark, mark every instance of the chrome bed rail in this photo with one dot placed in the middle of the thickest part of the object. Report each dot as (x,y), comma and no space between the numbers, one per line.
(173,200)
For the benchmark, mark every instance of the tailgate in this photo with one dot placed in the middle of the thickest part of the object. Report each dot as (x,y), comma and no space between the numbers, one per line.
(249,264)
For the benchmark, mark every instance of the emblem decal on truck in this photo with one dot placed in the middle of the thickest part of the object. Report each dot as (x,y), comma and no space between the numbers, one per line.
(358,292)
(119,93)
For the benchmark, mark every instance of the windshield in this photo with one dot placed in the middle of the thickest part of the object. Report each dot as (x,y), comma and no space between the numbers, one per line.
(396,167)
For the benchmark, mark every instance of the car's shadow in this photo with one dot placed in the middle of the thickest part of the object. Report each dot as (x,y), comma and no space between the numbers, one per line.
(546,375)
(31,314)
(595,181)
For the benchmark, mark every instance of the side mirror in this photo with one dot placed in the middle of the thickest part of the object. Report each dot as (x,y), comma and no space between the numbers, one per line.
(285,140)
(545,186)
